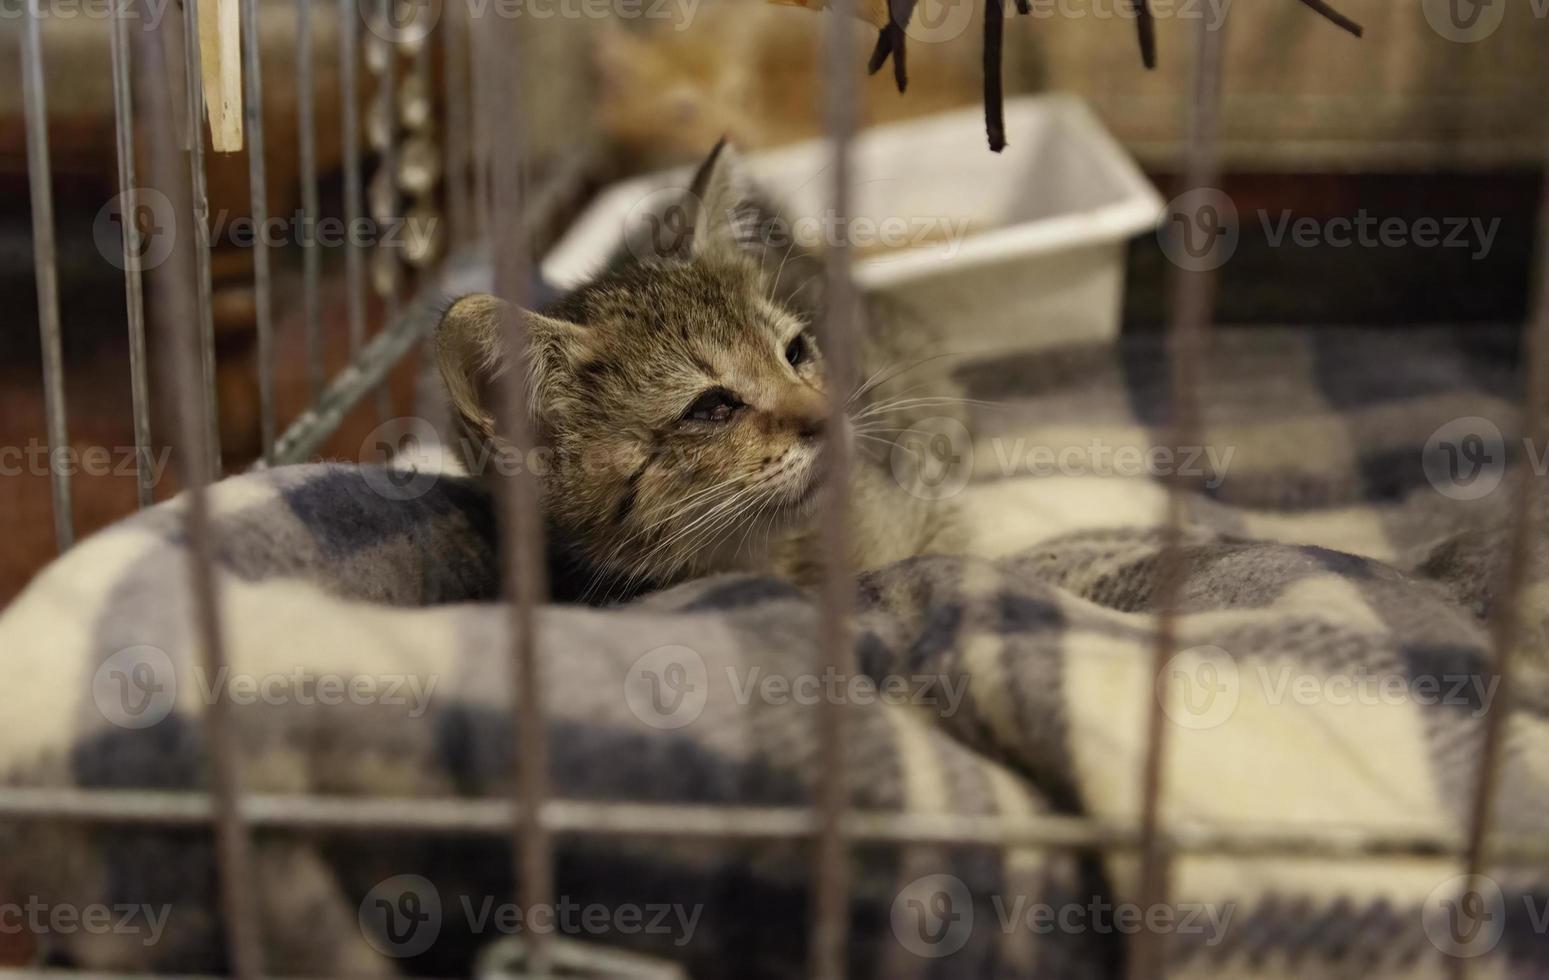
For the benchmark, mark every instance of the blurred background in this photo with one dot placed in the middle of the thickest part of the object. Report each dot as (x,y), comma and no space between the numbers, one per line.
(1428,116)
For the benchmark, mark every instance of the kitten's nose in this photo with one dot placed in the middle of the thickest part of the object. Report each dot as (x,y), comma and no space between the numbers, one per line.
(812,427)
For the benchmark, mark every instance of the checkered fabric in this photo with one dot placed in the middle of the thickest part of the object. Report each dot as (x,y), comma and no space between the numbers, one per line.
(1343,553)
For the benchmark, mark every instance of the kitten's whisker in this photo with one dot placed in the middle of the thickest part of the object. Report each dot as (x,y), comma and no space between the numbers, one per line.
(891,445)
(872,427)
(797,291)
(905,368)
(686,504)
(775,286)
(870,383)
(935,401)
(678,510)
(767,520)
(720,508)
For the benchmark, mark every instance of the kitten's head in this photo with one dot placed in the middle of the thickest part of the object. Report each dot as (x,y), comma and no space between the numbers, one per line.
(681,408)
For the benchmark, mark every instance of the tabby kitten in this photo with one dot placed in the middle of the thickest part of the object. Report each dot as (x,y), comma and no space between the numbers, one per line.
(680,400)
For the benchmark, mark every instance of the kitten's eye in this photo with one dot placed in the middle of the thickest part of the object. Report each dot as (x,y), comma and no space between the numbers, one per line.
(715,405)
(796,352)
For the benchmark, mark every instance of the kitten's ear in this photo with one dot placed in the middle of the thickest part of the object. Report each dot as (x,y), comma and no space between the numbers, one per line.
(472,358)
(723,199)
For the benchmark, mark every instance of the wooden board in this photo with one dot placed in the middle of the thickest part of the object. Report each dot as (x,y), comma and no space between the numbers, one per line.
(220,60)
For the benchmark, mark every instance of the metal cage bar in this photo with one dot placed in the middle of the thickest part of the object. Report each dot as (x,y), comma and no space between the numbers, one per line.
(258,180)
(835,650)
(306,140)
(464,817)
(390,286)
(521,529)
(1191,307)
(387,168)
(46,270)
(176,308)
(193,90)
(349,94)
(134,286)
(456,81)
(1506,614)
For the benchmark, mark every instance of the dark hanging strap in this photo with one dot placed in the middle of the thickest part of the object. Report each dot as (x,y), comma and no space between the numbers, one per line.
(994,108)
(1146,24)
(880,52)
(1334,16)
(890,42)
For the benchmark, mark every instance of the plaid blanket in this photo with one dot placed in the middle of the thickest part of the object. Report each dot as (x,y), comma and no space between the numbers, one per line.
(1333,672)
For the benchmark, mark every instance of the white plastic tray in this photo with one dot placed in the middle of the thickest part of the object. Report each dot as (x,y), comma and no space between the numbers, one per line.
(1034,237)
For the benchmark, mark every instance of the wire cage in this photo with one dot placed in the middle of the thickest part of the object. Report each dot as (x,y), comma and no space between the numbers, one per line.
(495,204)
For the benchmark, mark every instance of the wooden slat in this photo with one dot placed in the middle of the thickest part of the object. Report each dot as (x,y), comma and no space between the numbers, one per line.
(220,61)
